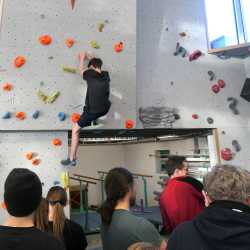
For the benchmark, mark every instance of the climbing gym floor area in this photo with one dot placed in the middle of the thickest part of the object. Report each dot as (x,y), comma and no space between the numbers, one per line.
(87,86)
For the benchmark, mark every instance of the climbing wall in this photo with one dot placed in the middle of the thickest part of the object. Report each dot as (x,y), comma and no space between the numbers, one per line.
(174,82)
(15,148)
(99,24)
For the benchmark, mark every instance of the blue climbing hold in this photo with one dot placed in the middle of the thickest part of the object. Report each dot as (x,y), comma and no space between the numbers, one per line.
(62,116)
(7,115)
(56,183)
(36,114)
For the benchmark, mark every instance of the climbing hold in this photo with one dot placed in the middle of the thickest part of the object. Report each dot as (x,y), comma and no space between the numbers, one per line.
(195,55)
(19,61)
(72,3)
(172,83)
(42,16)
(56,183)
(36,114)
(51,57)
(180,50)
(7,87)
(69,70)
(183,34)
(195,116)
(20,115)
(226,154)
(53,97)
(119,47)
(29,155)
(42,96)
(211,75)
(210,120)
(129,124)
(216,88)
(177,117)
(75,117)
(61,116)
(233,105)
(94,44)
(36,162)
(221,83)
(56,142)
(65,179)
(100,27)
(7,115)
(3,205)
(236,145)
(69,42)
(45,40)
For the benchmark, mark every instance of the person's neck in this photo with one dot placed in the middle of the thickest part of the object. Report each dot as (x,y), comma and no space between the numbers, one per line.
(123,205)
(19,222)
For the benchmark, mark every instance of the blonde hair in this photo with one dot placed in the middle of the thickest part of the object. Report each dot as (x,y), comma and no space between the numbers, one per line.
(41,216)
(143,246)
(57,197)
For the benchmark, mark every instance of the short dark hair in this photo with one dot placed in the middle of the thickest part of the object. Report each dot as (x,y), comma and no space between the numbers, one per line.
(96,63)
(173,163)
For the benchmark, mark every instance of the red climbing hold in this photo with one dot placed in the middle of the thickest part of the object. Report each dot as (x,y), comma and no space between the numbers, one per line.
(35,162)
(19,61)
(195,55)
(216,88)
(56,142)
(69,42)
(20,115)
(45,40)
(129,124)
(195,116)
(7,87)
(226,154)
(119,47)
(221,83)
(75,117)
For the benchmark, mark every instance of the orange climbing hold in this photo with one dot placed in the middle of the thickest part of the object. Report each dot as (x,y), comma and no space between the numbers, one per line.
(129,124)
(3,205)
(19,61)
(45,40)
(29,156)
(20,115)
(119,47)
(7,87)
(69,42)
(75,117)
(56,142)
(35,162)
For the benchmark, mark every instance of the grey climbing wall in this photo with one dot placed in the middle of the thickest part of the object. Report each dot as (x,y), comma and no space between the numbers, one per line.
(15,146)
(172,81)
(25,21)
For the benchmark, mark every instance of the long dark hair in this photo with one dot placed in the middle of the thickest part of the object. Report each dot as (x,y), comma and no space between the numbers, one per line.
(118,182)
(41,216)
(57,197)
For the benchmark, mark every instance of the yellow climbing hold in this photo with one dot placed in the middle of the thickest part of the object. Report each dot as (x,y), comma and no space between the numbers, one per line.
(47,99)
(42,96)
(65,179)
(69,70)
(53,97)
(94,44)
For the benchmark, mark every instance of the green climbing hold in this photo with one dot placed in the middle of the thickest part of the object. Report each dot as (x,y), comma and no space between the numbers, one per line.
(94,44)
(69,70)
(53,97)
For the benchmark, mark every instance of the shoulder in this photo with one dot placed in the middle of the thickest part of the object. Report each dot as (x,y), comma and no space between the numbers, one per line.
(73,227)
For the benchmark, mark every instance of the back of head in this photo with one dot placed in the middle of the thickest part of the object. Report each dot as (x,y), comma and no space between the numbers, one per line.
(41,215)
(96,63)
(118,183)
(57,199)
(142,246)
(173,163)
(226,182)
(22,192)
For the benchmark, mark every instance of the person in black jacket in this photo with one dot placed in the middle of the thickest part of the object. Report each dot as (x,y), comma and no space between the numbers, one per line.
(65,230)
(225,223)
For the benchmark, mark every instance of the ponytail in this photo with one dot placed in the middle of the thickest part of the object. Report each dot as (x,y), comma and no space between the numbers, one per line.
(58,221)
(106,211)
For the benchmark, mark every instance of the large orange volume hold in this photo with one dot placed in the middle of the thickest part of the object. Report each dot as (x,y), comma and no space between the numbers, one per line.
(19,61)
(45,39)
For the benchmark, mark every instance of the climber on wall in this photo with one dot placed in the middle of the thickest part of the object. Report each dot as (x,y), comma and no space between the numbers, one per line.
(97,103)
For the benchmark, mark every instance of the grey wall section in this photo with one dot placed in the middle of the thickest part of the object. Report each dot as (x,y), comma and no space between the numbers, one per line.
(23,24)
(159,24)
(14,147)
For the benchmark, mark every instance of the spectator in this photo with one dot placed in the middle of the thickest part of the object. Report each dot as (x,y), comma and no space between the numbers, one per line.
(120,229)
(225,223)
(22,196)
(181,199)
(142,246)
(67,231)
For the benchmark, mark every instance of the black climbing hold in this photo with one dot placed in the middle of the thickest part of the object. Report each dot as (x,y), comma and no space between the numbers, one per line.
(233,103)
(210,120)
(42,16)
(166,29)
(41,83)
(172,83)
(236,145)
(50,57)
(245,92)
(223,132)
(211,75)
(177,117)
(180,50)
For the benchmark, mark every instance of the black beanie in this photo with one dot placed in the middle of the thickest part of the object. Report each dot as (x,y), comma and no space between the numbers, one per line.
(22,192)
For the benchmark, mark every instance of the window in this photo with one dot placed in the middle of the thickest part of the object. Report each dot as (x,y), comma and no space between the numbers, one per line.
(228,22)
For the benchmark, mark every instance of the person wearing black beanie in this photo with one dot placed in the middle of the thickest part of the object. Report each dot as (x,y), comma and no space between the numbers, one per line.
(22,196)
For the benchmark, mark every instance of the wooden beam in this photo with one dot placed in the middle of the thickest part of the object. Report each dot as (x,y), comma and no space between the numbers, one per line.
(1,13)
